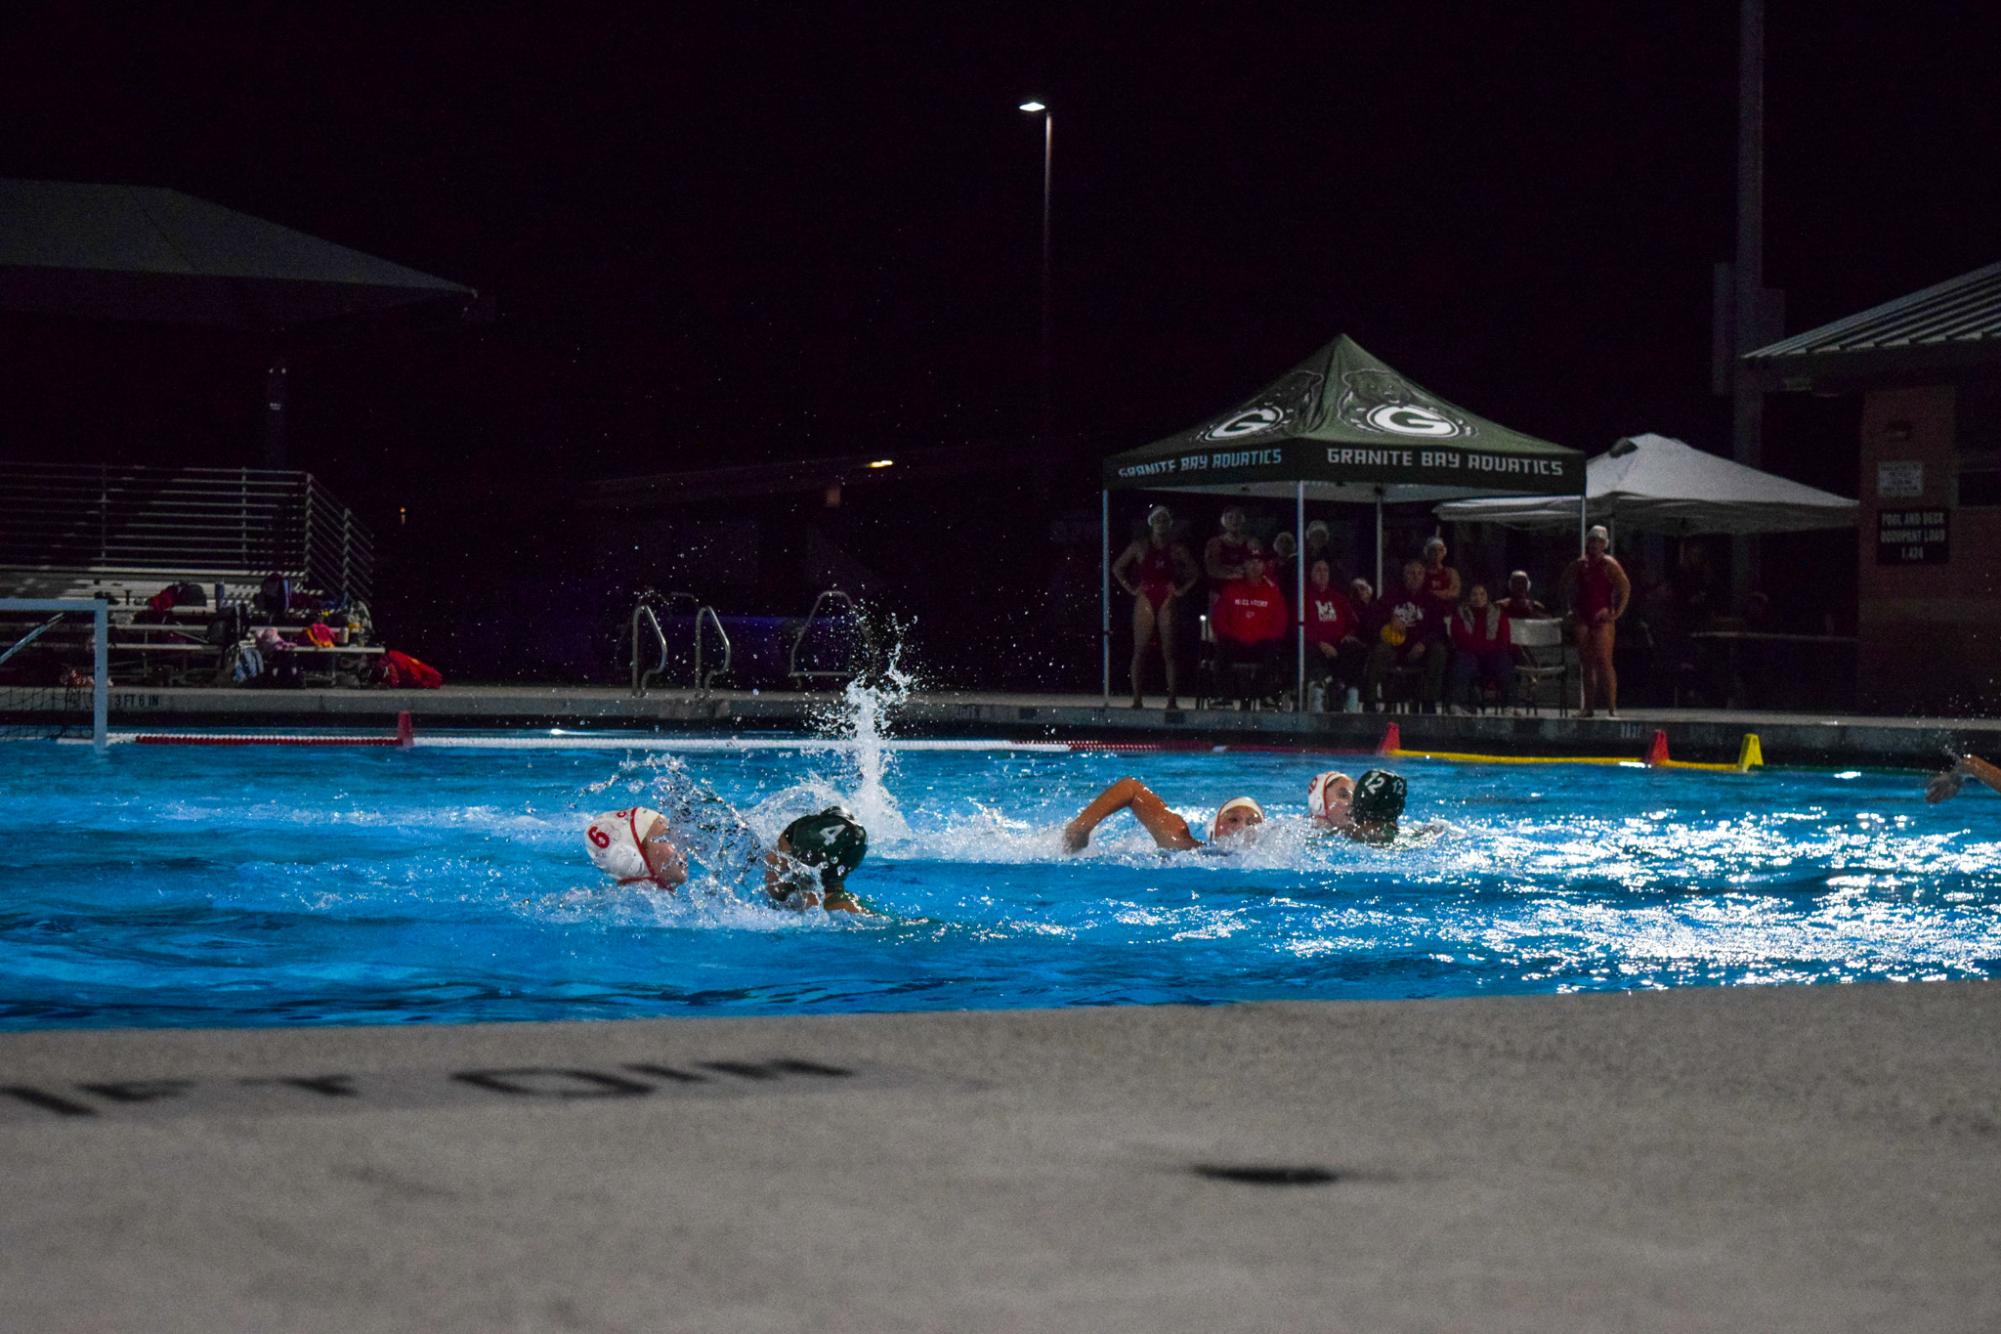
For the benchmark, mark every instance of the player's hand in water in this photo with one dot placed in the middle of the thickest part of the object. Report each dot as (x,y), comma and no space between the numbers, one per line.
(1944,786)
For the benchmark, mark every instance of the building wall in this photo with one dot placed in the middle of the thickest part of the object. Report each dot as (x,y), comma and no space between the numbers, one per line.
(1930,633)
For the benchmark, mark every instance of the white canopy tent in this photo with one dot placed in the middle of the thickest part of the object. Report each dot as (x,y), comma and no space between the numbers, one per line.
(1654,483)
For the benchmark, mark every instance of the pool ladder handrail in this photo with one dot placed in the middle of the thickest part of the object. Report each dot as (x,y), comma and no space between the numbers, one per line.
(792,671)
(644,613)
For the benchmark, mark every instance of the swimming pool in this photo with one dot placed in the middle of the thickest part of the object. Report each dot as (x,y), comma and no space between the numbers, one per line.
(257,886)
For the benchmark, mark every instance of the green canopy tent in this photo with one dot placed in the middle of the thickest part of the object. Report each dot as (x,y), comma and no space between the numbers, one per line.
(1340,426)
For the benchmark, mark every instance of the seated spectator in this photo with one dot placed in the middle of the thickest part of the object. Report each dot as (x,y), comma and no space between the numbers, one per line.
(1520,604)
(1250,623)
(1440,579)
(1335,652)
(1482,658)
(1412,639)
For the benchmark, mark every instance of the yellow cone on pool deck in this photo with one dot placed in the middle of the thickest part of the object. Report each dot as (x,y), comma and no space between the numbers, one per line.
(1750,755)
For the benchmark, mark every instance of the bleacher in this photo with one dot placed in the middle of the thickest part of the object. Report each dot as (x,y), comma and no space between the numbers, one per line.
(123,533)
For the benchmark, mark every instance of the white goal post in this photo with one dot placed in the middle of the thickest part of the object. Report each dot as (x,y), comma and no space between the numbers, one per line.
(24,621)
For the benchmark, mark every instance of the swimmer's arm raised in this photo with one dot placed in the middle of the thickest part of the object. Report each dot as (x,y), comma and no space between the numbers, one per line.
(1947,784)
(1168,829)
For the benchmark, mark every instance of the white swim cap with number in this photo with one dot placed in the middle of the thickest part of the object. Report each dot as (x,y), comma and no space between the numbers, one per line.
(1319,793)
(614,839)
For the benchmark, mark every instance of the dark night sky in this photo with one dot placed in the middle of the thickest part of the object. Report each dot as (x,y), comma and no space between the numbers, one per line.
(795,228)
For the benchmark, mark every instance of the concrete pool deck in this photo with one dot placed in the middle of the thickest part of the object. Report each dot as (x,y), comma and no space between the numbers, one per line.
(1693,734)
(1823,1158)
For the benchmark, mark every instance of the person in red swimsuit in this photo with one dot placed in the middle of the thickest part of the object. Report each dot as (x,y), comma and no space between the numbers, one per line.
(1158,572)
(1599,593)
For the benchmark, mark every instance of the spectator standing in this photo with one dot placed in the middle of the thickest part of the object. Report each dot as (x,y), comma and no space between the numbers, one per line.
(1283,562)
(1158,572)
(1413,637)
(1223,555)
(1482,658)
(1250,621)
(1319,545)
(1335,652)
(1440,579)
(1598,591)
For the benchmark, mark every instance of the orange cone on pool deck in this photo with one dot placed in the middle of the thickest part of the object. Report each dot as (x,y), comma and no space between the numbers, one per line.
(1392,740)
(405,734)
(1657,754)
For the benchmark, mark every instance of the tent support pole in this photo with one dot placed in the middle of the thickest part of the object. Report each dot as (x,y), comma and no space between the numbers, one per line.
(1299,590)
(1105,591)
(1379,542)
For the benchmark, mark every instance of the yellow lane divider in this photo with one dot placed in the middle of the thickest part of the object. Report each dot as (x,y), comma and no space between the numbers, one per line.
(1750,755)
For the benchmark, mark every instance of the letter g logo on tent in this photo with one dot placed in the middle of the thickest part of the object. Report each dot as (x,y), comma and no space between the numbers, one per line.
(1411,419)
(1253,422)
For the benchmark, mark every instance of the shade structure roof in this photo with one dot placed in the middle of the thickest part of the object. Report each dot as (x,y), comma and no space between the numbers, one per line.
(1949,326)
(128,252)
(1347,426)
(1654,483)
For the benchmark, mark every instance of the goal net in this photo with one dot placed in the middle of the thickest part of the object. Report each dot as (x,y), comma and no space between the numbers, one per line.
(53,681)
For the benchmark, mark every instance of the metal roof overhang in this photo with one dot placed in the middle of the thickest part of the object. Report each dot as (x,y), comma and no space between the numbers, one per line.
(1864,366)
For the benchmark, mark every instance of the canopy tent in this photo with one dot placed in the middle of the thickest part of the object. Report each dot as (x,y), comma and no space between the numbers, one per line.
(1654,483)
(127,252)
(1340,426)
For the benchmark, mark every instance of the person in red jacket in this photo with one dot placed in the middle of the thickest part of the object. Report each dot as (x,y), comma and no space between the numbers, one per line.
(1250,623)
(1335,652)
(1481,656)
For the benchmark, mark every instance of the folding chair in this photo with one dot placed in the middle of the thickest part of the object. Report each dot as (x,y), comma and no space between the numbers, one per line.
(1544,655)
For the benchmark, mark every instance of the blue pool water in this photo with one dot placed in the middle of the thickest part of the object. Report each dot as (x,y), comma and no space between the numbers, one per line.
(173,886)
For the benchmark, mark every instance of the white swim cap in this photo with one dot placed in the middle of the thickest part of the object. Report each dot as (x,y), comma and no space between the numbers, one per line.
(613,841)
(1319,792)
(1235,802)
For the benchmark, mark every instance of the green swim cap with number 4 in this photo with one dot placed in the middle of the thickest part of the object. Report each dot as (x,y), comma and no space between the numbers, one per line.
(832,841)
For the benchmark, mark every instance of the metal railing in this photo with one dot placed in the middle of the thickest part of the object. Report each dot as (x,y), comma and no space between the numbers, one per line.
(117,521)
(862,632)
(643,614)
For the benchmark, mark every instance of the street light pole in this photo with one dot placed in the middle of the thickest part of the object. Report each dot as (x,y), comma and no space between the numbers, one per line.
(1048,176)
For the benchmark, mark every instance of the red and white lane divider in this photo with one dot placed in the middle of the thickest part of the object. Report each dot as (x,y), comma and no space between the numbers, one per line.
(404,738)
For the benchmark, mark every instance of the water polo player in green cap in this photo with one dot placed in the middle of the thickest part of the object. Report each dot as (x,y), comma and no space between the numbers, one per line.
(810,864)
(807,867)
(1365,809)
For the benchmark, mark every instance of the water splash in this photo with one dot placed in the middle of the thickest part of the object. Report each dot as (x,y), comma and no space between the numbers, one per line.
(864,720)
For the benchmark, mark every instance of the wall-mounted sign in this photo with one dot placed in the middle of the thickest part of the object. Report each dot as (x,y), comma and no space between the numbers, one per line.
(1900,479)
(1911,537)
